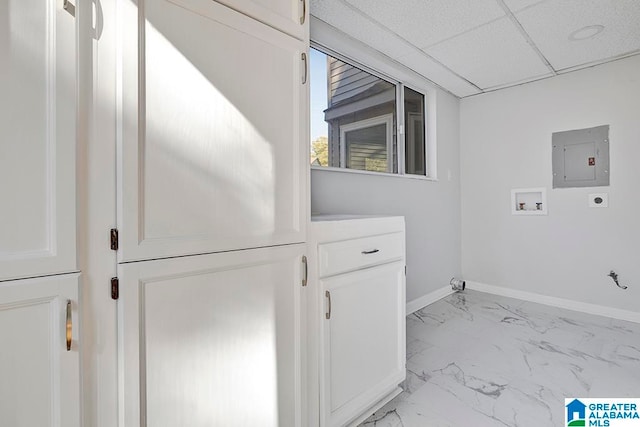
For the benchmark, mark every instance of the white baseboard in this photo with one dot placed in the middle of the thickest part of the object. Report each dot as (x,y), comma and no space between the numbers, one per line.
(584,307)
(427,299)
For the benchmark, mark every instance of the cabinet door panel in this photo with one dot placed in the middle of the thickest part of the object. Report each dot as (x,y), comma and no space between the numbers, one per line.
(213,114)
(37,130)
(290,16)
(40,378)
(364,352)
(212,339)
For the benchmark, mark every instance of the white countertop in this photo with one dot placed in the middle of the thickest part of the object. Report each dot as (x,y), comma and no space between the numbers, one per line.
(343,217)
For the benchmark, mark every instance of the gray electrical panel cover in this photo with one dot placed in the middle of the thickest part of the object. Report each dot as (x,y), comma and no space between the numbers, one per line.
(581,157)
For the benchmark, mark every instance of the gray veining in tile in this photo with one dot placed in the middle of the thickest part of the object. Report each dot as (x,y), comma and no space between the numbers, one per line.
(485,360)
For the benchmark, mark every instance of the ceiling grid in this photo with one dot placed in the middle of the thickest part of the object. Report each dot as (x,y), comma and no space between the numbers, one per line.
(473,46)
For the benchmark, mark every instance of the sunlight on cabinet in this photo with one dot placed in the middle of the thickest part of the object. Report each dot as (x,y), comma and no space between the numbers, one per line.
(218,341)
(212,119)
(192,133)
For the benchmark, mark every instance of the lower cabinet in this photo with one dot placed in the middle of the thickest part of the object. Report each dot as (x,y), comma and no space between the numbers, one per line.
(360,283)
(213,340)
(363,338)
(39,363)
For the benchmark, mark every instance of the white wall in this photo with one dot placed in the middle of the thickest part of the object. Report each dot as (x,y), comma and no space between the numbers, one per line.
(506,143)
(431,208)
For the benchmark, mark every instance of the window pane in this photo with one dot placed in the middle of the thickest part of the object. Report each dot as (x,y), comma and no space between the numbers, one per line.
(353,117)
(414,135)
(367,148)
(318,89)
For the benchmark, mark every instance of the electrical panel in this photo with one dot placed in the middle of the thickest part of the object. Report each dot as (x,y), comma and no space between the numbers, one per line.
(580,158)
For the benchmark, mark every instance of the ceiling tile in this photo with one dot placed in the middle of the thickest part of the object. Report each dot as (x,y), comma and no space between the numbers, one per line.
(339,15)
(549,25)
(492,55)
(425,23)
(430,69)
(517,5)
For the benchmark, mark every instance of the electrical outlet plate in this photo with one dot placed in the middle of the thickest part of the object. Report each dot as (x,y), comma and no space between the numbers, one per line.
(599,200)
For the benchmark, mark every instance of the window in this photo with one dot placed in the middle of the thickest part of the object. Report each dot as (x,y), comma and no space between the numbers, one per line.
(414,136)
(354,119)
(367,144)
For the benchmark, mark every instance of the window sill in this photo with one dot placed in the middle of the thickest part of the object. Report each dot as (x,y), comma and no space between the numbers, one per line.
(384,174)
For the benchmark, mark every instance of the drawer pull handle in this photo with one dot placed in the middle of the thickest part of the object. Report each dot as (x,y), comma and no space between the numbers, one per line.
(328,313)
(373,251)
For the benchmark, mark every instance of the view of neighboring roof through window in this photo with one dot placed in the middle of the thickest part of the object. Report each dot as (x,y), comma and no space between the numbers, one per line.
(354,118)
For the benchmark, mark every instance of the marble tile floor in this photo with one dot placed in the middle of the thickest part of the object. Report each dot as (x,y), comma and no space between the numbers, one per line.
(476,359)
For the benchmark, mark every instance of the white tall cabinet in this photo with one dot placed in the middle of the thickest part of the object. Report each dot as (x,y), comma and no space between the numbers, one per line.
(212,212)
(39,324)
(182,124)
(213,116)
(38,139)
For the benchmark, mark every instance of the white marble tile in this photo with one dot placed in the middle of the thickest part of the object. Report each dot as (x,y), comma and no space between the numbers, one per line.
(480,359)
(402,412)
(415,346)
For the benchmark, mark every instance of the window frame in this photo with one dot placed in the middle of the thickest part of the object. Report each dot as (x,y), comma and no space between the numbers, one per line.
(400,130)
(409,131)
(385,119)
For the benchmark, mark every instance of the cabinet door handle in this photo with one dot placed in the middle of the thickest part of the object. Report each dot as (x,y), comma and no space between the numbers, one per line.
(305,277)
(304,12)
(373,251)
(306,68)
(69,7)
(328,313)
(69,325)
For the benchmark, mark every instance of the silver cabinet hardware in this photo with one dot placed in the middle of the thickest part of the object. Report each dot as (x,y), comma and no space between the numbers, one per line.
(306,68)
(69,326)
(69,7)
(328,313)
(306,271)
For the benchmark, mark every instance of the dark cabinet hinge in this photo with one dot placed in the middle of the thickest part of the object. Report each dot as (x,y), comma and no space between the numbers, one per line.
(114,239)
(115,288)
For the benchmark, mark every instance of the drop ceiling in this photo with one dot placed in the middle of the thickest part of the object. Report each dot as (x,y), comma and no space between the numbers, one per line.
(474,46)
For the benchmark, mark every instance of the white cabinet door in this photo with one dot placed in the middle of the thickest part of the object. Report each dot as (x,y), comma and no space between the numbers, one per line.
(213,121)
(290,16)
(40,382)
(363,340)
(37,138)
(213,340)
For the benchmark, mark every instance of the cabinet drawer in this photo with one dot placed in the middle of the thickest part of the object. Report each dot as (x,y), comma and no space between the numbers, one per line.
(349,255)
